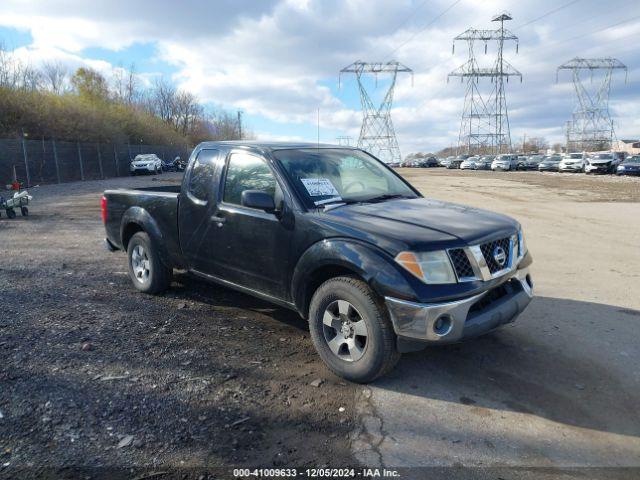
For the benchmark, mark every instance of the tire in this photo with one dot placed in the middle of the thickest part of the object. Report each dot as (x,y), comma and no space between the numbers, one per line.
(147,272)
(366,357)
(24,211)
(11,213)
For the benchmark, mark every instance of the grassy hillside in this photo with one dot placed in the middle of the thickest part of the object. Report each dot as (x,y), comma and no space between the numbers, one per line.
(74,117)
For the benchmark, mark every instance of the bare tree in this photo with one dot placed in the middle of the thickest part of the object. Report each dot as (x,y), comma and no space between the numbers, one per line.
(30,79)
(187,111)
(55,76)
(9,69)
(163,98)
(132,87)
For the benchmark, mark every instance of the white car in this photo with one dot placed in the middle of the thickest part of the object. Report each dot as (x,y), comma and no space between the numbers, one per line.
(572,162)
(146,163)
(505,162)
(469,163)
(602,163)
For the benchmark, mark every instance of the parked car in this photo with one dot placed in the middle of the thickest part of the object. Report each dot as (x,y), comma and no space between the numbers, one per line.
(529,162)
(484,162)
(175,165)
(601,163)
(469,163)
(145,163)
(429,163)
(549,163)
(343,240)
(572,162)
(457,161)
(505,162)
(445,162)
(631,166)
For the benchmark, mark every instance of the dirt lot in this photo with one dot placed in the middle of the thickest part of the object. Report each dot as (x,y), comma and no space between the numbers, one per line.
(198,378)
(560,387)
(93,374)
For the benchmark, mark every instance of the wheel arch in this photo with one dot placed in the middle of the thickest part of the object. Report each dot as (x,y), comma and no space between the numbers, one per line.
(332,258)
(137,219)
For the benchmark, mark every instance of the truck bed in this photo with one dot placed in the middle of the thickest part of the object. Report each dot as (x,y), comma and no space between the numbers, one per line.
(156,207)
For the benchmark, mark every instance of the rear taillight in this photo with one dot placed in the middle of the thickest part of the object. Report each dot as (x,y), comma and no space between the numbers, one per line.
(103,209)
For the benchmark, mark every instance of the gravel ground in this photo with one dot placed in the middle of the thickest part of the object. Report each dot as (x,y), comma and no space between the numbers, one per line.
(94,374)
(578,186)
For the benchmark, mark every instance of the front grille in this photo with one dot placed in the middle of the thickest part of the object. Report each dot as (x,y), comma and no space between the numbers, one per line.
(488,253)
(461,263)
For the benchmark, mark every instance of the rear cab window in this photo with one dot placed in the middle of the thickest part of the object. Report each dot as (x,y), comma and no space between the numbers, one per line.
(200,184)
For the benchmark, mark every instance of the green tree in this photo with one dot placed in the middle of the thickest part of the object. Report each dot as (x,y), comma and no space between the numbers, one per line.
(90,84)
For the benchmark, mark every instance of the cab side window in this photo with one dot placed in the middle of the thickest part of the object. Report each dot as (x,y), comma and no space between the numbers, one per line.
(247,172)
(201,176)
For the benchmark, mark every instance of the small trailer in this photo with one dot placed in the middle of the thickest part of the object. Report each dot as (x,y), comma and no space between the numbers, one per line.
(19,200)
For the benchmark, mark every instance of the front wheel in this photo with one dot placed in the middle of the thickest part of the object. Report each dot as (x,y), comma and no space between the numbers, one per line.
(351,330)
(147,272)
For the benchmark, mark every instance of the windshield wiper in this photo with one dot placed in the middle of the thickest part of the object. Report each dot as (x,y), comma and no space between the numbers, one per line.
(337,203)
(386,196)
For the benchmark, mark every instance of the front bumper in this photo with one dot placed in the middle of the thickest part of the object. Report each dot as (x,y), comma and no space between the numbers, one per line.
(449,322)
(141,169)
(597,168)
(570,168)
(626,171)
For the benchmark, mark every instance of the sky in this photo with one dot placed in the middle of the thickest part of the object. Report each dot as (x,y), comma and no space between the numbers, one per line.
(278,60)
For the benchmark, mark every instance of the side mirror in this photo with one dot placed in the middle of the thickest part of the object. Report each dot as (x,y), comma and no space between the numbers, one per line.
(258,199)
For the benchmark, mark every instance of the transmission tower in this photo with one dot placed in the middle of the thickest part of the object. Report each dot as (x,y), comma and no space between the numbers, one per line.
(377,135)
(484,126)
(591,127)
(344,140)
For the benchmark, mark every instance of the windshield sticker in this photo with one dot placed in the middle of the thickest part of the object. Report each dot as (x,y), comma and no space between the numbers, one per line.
(320,187)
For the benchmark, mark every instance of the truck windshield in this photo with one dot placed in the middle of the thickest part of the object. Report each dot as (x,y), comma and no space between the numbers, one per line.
(323,176)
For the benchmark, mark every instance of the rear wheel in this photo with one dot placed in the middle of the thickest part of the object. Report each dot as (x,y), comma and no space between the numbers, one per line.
(147,272)
(11,213)
(351,330)
(24,211)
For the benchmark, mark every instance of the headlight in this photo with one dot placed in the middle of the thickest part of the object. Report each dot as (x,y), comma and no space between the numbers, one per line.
(430,267)
(522,245)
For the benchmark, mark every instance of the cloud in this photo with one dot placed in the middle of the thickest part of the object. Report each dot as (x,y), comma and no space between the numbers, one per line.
(278,60)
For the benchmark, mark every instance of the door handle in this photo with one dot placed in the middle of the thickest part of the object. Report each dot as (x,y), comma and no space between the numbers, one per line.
(218,220)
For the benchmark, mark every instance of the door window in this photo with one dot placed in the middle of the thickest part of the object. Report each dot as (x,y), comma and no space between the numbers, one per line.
(201,176)
(247,172)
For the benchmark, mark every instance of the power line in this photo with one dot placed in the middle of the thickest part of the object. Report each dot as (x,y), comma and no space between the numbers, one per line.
(593,32)
(438,17)
(415,10)
(548,13)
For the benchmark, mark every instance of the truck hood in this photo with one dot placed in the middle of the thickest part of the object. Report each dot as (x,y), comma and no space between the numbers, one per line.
(421,223)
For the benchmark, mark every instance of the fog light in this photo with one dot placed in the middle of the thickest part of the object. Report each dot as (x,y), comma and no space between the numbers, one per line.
(443,325)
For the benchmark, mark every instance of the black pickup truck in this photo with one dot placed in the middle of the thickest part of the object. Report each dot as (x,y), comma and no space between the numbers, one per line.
(334,234)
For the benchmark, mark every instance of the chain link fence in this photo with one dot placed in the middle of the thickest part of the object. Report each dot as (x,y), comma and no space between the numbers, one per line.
(39,162)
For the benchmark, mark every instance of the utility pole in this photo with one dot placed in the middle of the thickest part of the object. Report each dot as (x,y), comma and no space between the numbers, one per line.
(239,124)
(484,124)
(377,134)
(591,127)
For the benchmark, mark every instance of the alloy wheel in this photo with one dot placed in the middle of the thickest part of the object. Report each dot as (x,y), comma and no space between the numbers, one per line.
(345,331)
(140,263)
